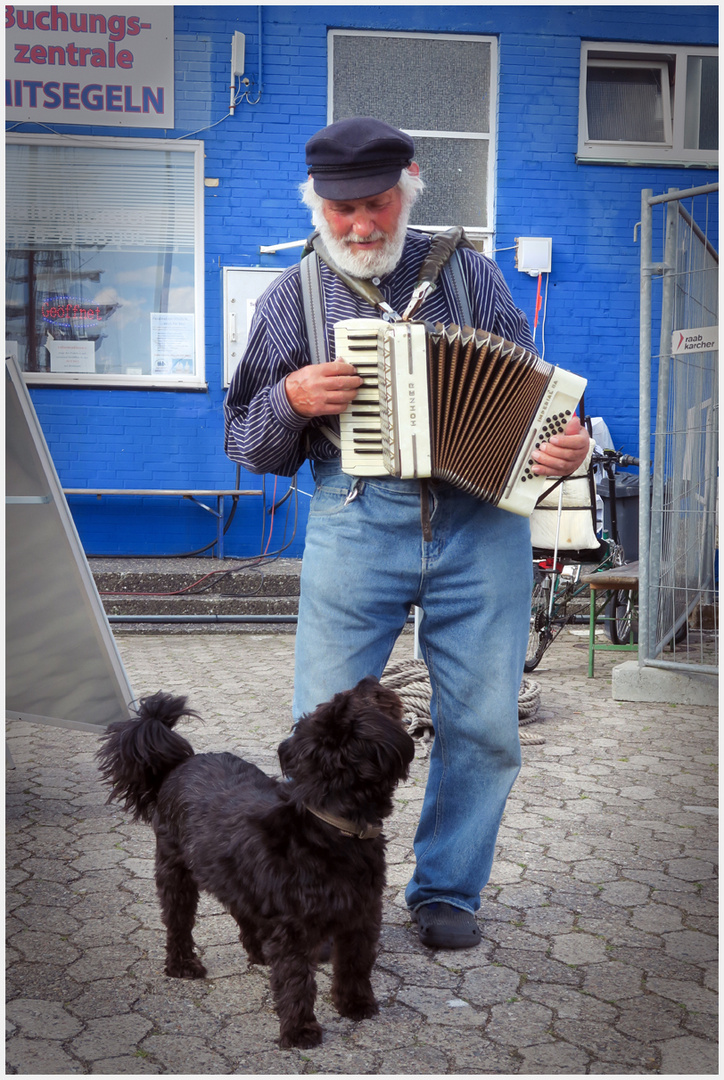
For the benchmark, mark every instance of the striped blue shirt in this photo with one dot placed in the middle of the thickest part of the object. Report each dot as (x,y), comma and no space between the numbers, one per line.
(262,431)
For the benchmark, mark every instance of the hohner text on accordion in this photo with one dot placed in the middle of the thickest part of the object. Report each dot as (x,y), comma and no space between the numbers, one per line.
(462,406)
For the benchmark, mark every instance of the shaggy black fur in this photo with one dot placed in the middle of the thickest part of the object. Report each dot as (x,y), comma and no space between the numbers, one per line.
(290,880)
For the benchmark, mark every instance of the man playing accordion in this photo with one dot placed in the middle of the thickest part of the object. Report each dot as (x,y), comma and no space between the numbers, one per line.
(369,554)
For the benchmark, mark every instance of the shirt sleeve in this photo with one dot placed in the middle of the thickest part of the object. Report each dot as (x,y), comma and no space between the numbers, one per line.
(261,430)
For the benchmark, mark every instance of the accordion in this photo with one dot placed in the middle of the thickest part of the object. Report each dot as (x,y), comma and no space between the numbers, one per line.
(455,404)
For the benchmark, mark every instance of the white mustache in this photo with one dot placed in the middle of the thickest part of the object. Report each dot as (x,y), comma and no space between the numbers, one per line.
(353,238)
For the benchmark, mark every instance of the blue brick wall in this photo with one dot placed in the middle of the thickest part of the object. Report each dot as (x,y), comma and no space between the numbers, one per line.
(134,438)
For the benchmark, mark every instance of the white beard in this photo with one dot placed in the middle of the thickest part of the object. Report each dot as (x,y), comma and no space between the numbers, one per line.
(365,264)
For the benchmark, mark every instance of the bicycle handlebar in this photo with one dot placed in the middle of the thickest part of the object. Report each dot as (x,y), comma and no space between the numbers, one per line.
(614,457)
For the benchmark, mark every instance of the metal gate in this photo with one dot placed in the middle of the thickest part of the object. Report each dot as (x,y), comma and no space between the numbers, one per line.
(678,580)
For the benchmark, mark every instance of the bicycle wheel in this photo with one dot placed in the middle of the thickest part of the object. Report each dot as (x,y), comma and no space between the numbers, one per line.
(539,637)
(621,618)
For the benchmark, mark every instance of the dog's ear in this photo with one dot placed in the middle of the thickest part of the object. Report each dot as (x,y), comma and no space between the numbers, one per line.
(286,755)
(388,748)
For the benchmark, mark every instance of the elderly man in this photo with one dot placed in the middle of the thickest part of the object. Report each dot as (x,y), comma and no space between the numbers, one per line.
(366,559)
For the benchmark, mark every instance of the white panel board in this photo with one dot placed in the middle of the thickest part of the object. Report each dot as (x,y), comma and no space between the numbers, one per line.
(242,287)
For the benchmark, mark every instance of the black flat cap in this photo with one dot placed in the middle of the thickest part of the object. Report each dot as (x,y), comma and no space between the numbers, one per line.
(357,158)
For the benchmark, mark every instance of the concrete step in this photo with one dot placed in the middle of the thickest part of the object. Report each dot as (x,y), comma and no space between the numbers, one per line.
(179,595)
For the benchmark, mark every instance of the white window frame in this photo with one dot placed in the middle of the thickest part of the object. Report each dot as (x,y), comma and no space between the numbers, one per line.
(631,55)
(197,381)
(482,236)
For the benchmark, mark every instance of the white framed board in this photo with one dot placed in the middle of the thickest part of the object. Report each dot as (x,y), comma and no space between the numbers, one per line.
(242,287)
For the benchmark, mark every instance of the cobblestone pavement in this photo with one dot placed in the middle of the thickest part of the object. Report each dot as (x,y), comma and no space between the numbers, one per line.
(599,924)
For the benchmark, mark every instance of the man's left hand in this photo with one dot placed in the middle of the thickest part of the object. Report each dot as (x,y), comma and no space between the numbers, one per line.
(562,454)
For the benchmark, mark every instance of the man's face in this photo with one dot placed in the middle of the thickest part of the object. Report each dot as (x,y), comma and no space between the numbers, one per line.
(365,236)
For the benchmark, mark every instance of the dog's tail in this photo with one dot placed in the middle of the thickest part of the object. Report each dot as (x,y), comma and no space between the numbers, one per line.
(137,755)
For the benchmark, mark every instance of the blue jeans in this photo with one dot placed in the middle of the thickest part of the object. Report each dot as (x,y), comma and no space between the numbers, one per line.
(365,563)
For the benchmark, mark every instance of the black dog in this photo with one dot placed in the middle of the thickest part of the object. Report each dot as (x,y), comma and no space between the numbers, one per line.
(295,862)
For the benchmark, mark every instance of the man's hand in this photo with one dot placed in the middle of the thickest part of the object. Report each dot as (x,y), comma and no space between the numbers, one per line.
(322,389)
(562,454)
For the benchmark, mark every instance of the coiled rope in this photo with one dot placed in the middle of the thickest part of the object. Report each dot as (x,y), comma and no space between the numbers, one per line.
(411,681)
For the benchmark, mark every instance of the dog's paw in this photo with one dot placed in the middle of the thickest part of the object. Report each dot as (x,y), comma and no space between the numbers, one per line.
(305,1037)
(187,968)
(357,1008)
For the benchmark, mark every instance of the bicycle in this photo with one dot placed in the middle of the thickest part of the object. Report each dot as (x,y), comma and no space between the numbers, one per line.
(557,584)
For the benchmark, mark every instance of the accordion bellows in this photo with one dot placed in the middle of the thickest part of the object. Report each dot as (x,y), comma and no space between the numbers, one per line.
(459,405)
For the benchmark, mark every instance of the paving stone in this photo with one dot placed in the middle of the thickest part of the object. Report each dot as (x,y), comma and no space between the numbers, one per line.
(685,993)
(412,1060)
(519,1023)
(606,1044)
(650,1018)
(176,1051)
(440,1006)
(568,1003)
(691,946)
(44,1019)
(613,981)
(36,1057)
(110,1036)
(599,921)
(554,1058)
(122,1066)
(688,1056)
(578,949)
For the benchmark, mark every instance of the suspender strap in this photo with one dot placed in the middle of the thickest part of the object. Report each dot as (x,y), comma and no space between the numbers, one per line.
(313,302)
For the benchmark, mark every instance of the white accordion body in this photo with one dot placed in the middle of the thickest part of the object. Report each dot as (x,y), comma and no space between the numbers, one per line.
(458,405)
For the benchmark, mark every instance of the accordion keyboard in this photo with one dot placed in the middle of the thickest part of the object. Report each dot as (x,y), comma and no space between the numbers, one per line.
(359,343)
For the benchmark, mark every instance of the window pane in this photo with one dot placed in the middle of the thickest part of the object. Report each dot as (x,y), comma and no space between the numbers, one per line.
(100,276)
(702,103)
(455,172)
(416,83)
(99,311)
(625,105)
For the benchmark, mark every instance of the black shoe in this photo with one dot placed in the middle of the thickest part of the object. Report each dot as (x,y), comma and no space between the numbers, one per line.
(442,926)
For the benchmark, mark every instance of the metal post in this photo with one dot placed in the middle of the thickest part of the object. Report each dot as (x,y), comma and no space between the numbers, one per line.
(659,470)
(645,421)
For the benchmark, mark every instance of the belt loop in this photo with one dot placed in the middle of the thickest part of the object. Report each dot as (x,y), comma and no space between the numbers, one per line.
(353,492)
(425,512)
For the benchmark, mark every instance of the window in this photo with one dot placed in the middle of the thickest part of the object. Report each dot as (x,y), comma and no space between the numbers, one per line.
(443,95)
(648,104)
(104,277)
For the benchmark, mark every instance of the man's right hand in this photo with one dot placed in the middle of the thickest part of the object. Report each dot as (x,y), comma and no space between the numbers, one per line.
(322,389)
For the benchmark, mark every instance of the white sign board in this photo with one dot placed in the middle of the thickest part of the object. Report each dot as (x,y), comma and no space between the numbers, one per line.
(705,339)
(102,66)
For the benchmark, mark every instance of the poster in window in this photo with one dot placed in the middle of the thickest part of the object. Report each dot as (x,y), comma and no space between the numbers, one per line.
(72,357)
(172,343)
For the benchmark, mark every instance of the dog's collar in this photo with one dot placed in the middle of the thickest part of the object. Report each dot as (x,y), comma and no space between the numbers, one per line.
(363,830)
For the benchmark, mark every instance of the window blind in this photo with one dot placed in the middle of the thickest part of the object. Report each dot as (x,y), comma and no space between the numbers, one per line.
(121,199)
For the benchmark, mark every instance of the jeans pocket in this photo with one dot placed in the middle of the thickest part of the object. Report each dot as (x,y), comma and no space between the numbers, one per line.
(332,496)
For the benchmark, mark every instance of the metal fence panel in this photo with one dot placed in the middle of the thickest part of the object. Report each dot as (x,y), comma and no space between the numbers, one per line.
(678,527)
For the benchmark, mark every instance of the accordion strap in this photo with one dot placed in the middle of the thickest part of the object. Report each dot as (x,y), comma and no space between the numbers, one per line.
(443,252)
